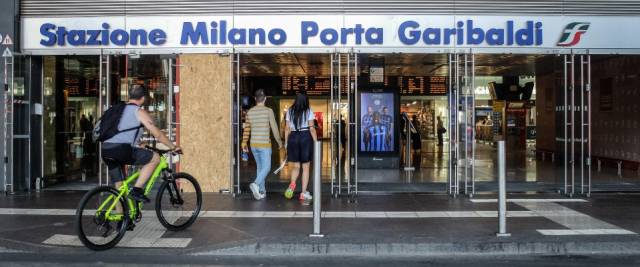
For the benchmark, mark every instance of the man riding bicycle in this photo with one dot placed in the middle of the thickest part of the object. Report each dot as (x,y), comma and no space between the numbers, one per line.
(124,147)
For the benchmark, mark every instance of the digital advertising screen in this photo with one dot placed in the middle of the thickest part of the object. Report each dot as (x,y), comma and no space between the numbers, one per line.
(377,122)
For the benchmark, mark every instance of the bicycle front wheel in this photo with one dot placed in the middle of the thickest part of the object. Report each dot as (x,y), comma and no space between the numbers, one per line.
(178,202)
(101,218)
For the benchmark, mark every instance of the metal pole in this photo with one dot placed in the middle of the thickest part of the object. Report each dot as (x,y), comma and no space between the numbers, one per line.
(232,158)
(566,155)
(573,121)
(502,194)
(331,125)
(107,96)
(100,109)
(317,189)
(239,120)
(473,121)
(170,105)
(465,95)
(449,113)
(582,90)
(355,119)
(457,131)
(339,91)
(340,170)
(589,120)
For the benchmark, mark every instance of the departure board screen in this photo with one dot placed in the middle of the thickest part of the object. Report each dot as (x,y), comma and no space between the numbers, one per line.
(311,85)
(423,85)
(406,85)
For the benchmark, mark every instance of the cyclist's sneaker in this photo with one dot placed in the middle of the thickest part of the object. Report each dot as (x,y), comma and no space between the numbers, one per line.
(289,193)
(255,190)
(138,195)
(130,225)
(306,196)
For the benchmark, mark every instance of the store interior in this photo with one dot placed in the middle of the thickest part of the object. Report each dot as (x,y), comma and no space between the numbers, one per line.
(421,84)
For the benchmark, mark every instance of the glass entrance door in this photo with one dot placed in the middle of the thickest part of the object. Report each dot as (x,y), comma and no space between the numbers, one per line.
(343,117)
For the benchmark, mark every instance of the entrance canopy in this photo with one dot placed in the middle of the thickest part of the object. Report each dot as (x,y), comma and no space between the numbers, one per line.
(330,33)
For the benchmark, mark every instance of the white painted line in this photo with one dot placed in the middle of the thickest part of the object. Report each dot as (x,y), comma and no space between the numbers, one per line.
(62,212)
(557,232)
(72,240)
(401,214)
(432,214)
(527,200)
(375,214)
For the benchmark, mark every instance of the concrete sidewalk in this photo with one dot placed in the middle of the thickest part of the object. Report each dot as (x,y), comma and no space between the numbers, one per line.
(377,225)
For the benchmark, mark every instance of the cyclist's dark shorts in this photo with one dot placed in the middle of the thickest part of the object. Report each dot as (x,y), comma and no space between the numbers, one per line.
(124,154)
(300,147)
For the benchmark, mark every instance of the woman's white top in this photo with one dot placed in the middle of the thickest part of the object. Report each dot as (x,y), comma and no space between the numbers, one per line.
(304,124)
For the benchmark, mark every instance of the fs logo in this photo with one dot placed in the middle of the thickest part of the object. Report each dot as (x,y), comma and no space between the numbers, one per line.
(571,34)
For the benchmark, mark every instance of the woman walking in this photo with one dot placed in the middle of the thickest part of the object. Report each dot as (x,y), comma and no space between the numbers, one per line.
(299,137)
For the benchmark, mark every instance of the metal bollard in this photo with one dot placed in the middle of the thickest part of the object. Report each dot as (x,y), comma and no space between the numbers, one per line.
(502,194)
(317,189)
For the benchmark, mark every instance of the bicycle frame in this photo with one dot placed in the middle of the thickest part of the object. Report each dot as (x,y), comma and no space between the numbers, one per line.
(123,190)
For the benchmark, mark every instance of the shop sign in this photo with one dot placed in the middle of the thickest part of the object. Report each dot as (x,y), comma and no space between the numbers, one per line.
(298,31)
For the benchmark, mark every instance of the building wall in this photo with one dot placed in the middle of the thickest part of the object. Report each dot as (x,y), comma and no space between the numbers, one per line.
(546,86)
(616,107)
(204,119)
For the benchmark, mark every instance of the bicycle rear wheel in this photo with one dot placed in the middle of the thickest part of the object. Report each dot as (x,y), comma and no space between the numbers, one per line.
(95,229)
(178,202)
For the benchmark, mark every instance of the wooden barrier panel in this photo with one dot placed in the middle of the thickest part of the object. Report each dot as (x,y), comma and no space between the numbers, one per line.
(205,125)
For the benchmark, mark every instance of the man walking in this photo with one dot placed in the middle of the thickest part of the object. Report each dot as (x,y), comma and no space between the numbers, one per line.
(260,120)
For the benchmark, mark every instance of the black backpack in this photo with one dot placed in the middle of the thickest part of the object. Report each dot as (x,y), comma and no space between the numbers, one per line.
(107,125)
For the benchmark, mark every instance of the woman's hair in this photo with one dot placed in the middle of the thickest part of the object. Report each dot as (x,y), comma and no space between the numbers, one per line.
(298,111)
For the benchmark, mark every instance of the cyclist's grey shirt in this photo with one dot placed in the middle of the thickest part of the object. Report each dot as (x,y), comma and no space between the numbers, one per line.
(129,120)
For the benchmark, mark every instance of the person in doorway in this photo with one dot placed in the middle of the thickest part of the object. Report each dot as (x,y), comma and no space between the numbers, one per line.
(259,121)
(124,147)
(416,141)
(441,130)
(300,138)
(87,143)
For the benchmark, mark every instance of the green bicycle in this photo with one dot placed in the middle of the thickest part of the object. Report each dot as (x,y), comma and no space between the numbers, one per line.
(105,214)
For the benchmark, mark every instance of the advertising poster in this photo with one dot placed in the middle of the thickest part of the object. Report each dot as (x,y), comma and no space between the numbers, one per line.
(377,122)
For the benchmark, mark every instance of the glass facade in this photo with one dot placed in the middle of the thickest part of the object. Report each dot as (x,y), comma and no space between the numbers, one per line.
(71,106)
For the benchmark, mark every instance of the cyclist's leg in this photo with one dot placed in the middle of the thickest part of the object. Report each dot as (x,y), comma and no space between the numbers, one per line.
(147,169)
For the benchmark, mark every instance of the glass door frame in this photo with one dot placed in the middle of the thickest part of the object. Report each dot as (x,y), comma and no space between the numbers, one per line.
(580,63)
(344,177)
(461,87)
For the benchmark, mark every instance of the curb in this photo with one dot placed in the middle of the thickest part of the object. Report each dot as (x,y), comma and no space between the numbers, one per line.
(427,249)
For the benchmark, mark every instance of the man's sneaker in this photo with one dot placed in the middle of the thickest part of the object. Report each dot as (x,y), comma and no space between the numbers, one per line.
(306,196)
(263,195)
(289,193)
(138,195)
(255,190)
